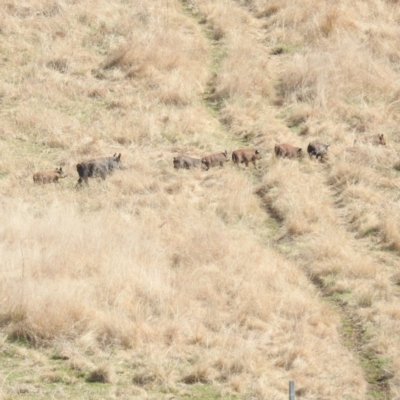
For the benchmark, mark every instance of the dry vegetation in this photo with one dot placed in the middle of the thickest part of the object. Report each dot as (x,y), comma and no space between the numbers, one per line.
(162,283)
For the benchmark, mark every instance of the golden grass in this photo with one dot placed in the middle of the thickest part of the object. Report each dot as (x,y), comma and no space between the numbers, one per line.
(162,278)
(195,297)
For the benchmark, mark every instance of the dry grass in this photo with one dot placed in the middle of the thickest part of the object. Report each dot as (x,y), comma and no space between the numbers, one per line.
(160,281)
(196,299)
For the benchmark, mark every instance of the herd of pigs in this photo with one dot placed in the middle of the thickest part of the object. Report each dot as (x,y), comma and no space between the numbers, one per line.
(101,167)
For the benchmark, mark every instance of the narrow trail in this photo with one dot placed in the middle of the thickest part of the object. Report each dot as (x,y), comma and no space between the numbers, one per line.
(211,101)
(356,332)
(354,327)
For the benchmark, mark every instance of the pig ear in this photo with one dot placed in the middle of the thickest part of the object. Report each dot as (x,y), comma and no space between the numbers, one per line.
(119,157)
(299,150)
(257,151)
(60,169)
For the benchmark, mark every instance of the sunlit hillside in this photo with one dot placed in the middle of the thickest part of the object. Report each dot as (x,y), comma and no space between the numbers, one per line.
(164,283)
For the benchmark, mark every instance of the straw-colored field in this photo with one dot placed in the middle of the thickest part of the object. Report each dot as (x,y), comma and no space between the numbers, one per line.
(163,283)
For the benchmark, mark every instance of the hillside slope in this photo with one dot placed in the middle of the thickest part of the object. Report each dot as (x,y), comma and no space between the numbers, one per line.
(227,283)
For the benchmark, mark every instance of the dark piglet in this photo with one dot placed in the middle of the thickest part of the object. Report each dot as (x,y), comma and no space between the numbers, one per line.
(317,149)
(99,167)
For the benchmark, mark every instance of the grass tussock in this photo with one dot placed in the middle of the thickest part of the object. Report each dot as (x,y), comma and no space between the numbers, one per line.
(102,374)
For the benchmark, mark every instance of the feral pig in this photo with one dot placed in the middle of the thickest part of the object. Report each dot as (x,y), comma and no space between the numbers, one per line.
(214,159)
(317,149)
(98,167)
(287,150)
(48,176)
(186,162)
(373,139)
(246,156)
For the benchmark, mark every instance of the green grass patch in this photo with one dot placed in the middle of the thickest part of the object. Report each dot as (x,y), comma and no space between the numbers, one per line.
(329,280)
(295,128)
(342,298)
(206,392)
(273,225)
(371,231)
(288,48)
(374,366)
(284,113)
